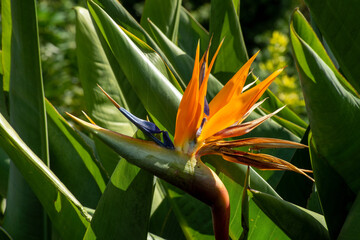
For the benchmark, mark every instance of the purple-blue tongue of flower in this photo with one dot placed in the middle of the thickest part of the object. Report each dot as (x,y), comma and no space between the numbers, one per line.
(149,129)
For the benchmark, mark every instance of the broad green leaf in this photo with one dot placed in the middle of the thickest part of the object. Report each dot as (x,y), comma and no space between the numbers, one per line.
(305,32)
(3,107)
(27,117)
(190,32)
(295,221)
(293,187)
(285,117)
(291,126)
(334,194)
(130,189)
(163,221)
(123,18)
(6,28)
(337,22)
(194,216)
(333,109)
(75,166)
(350,229)
(125,204)
(237,7)
(154,58)
(165,14)
(224,23)
(4,68)
(245,206)
(181,61)
(152,236)
(65,212)
(4,235)
(151,86)
(94,68)
(4,172)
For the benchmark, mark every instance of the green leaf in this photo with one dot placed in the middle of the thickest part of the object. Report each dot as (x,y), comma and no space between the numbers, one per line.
(27,116)
(237,6)
(66,213)
(4,172)
(332,107)
(194,216)
(245,206)
(154,58)
(123,18)
(181,61)
(292,186)
(126,204)
(335,195)
(224,23)
(151,86)
(285,117)
(163,220)
(295,221)
(94,68)
(337,23)
(6,29)
(4,235)
(165,14)
(152,236)
(190,32)
(75,165)
(350,229)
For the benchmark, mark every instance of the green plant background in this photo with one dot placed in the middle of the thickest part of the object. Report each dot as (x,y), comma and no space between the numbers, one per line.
(61,182)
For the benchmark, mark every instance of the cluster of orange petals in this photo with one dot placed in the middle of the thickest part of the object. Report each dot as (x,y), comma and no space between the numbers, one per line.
(229,106)
(199,133)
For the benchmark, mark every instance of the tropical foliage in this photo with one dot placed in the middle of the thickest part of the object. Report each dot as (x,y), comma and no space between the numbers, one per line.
(58,181)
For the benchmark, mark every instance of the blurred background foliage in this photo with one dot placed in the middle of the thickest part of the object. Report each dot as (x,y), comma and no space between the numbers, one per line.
(264,24)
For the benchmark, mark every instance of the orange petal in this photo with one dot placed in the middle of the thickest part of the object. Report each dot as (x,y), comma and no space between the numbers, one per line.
(203,87)
(261,161)
(236,83)
(186,121)
(239,130)
(257,143)
(235,109)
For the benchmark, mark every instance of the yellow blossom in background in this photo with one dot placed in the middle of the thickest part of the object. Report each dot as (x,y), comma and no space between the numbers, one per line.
(286,86)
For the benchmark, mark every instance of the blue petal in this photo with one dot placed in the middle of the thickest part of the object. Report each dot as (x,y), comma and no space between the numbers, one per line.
(202,73)
(198,132)
(140,123)
(206,107)
(167,141)
(149,129)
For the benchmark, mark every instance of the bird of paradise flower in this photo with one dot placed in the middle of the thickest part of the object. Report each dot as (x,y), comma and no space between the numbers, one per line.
(201,128)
